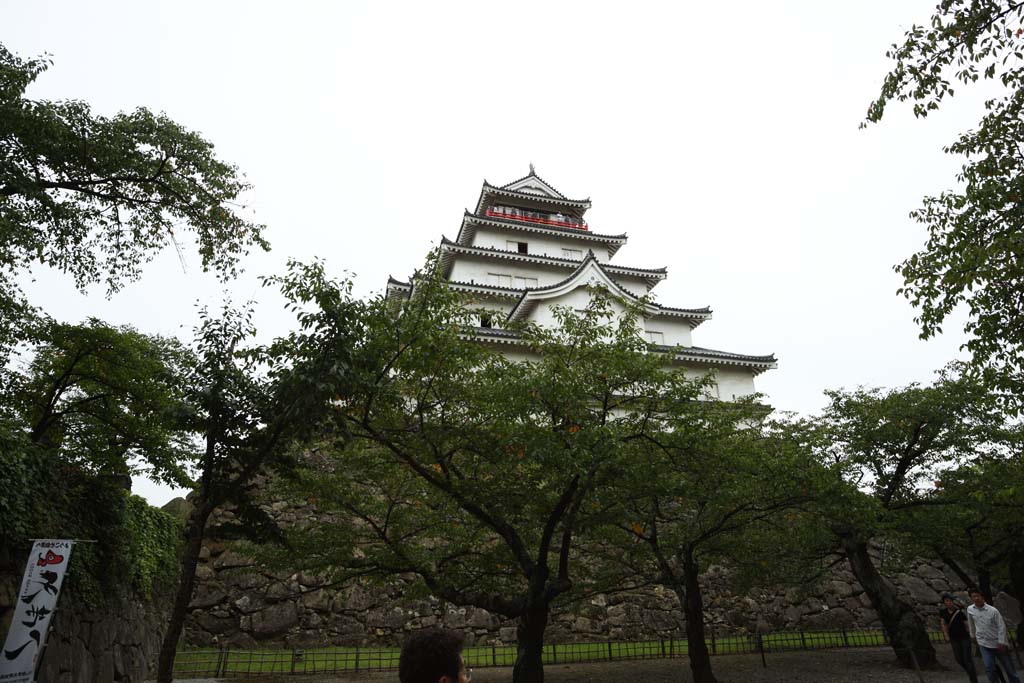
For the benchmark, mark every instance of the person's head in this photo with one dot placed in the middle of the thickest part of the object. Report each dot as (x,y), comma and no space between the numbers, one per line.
(433,655)
(977,597)
(948,601)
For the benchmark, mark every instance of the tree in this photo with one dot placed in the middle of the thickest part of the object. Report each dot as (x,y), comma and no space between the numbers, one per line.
(476,473)
(253,407)
(713,484)
(97,197)
(108,400)
(973,254)
(889,445)
(95,400)
(975,521)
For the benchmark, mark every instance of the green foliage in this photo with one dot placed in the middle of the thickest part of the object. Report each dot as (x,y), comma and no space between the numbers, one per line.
(892,444)
(98,196)
(975,244)
(473,471)
(108,399)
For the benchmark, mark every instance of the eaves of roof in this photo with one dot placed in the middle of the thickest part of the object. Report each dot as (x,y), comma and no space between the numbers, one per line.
(533,174)
(579,204)
(694,316)
(694,354)
(614,242)
(643,273)
(493,290)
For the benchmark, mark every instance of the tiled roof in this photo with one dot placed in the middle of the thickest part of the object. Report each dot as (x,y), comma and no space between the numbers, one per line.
(533,174)
(717,355)
(692,353)
(534,227)
(656,273)
(497,290)
(698,314)
(578,204)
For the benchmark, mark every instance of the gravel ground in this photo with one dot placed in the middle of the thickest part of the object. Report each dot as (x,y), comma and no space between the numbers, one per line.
(862,665)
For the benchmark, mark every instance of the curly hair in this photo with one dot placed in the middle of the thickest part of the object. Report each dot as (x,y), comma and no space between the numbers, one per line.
(429,654)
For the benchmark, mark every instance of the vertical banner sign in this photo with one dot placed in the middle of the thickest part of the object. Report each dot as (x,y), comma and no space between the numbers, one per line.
(33,609)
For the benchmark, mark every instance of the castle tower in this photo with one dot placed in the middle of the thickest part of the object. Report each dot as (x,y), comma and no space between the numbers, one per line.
(527,248)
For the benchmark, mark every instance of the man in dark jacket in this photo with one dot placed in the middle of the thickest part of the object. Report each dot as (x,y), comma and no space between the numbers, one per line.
(958,633)
(433,655)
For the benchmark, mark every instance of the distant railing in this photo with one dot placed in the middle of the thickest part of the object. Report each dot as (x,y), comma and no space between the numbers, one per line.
(229,662)
(536,217)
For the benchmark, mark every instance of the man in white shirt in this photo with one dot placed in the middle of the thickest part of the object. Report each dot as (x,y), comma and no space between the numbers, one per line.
(988,630)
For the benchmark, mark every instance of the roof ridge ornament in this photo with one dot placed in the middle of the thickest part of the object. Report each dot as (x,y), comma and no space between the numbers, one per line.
(532,171)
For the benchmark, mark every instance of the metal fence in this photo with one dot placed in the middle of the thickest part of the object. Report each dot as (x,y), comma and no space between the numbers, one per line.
(229,662)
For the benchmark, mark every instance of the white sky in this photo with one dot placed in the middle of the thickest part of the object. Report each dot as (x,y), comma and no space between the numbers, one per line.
(721,136)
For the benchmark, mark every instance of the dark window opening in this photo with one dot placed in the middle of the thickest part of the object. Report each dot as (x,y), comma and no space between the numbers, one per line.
(485,321)
(521,246)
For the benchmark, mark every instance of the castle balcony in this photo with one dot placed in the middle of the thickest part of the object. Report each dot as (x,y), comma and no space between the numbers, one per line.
(542,217)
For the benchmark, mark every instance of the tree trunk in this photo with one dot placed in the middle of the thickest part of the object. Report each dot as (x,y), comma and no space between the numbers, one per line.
(693,608)
(905,629)
(985,582)
(194,532)
(529,642)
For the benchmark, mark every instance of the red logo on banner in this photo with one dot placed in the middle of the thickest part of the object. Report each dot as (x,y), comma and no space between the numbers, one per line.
(51,558)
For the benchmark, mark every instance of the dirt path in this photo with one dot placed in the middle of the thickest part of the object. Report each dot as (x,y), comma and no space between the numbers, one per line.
(863,665)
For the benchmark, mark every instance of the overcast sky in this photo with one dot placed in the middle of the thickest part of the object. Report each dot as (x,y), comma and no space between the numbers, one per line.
(722,137)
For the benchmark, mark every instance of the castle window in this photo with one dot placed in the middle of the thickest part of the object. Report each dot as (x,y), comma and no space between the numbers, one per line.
(499,279)
(656,338)
(526,282)
(519,247)
(485,320)
(576,254)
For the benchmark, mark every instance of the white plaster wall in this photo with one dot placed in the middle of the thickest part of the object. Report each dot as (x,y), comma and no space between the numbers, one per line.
(731,383)
(546,245)
(578,299)
(676,331)
(476,269)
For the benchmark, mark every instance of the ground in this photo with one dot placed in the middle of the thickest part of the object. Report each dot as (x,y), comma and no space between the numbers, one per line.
(860,665)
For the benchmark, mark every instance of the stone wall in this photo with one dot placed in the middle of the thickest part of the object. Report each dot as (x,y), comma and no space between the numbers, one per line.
(117,642)
(238,604)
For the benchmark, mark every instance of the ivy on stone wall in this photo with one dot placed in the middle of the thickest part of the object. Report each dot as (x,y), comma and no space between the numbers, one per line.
(135,549)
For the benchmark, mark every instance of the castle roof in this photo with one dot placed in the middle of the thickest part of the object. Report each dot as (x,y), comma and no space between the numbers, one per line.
(449,248)
(530,190)
(592,271)
(683,354)
(470,221)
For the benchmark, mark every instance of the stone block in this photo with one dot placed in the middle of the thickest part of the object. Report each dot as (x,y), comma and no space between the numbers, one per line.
(395,618)
(275,620)
(318,599)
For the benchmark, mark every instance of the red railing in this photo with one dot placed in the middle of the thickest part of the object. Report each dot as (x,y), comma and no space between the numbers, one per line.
(536,218)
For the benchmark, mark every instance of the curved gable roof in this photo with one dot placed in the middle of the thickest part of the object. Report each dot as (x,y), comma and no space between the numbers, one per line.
(592,271)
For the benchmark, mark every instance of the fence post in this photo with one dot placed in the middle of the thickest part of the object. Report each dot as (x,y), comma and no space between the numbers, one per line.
(494,655)
(671,647)
(662,648)
(609,650)
(760,646)
(803,641)
(216,665)
(714,644)
(846,642)
(224,663)
(554,654)
(357,658)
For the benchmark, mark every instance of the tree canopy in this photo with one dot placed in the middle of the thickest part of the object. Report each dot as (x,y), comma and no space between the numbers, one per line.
(98,196)
(975,245)
(890,446)
(477,472)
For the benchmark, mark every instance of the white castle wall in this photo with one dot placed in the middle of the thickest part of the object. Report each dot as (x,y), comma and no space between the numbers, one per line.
(546,245)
